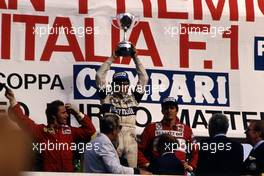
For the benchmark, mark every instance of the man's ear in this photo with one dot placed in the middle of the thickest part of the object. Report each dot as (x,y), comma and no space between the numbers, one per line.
(54,118)
(258,133)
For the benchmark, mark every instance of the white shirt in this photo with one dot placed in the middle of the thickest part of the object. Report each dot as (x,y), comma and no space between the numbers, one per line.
(104,158)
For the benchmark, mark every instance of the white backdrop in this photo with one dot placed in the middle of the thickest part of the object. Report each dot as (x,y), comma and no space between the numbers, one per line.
(212,68)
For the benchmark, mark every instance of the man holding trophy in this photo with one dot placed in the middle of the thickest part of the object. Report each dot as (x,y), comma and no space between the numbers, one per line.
(118,100)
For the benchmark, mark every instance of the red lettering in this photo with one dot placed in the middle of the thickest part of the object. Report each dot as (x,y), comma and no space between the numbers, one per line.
(233,8)
(216,12)
(30,23)
(3,4)
(83,6)
(186,44)
(147,9)
(198,10)
(39,5)
(261,5)
(120,6)
(233,35)
(152,49)
(89,43)
(163,13)
(6,36)
(51,46)
(250,12)
(12,4)
(208,64)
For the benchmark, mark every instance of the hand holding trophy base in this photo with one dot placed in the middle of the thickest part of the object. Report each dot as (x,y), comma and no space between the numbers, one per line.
(124,48)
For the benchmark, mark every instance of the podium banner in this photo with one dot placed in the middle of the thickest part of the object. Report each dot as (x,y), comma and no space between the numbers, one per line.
(209,55)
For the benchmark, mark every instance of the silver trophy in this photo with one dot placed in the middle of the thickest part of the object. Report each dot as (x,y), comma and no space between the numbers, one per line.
(125,21)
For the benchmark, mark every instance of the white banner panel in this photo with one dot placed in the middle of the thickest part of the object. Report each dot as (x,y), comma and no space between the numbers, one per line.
(207,54)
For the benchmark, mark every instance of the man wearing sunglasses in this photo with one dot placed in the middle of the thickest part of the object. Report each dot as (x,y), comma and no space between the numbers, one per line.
(254,164)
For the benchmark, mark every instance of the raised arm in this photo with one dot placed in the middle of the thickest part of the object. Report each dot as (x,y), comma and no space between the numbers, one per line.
(102,72)
(142,78)
(87,129)
(18,116)
(141,71)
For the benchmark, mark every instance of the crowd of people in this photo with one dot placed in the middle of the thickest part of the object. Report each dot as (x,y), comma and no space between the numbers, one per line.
(164,147)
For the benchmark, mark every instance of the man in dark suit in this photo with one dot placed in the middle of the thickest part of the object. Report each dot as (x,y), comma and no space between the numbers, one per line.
(254,164)
(219,155)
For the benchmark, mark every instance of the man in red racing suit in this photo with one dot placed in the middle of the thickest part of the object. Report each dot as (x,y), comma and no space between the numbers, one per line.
(170,124)
(55,142)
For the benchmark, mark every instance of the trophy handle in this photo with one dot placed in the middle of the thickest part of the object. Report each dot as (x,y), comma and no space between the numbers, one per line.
(136,22)
(113,23)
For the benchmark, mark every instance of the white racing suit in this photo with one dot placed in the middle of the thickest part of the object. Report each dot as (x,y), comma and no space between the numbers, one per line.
(125,106)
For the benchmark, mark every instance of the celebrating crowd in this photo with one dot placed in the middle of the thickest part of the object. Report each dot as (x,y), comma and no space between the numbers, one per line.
(164,147)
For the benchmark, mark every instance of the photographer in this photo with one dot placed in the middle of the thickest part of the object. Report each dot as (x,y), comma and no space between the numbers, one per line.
(55,132)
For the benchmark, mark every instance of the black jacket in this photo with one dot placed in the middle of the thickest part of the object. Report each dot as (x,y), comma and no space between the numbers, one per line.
(220,156)
(167,164)
(254,164)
